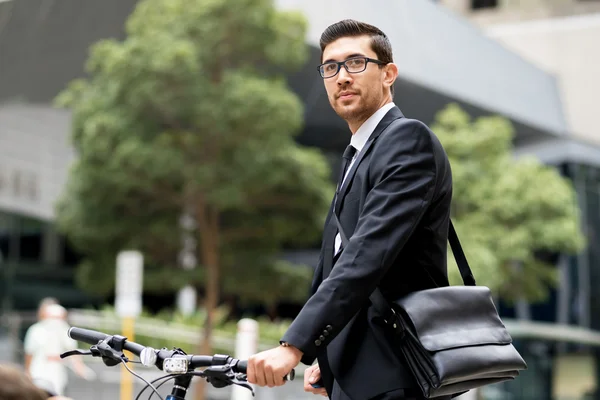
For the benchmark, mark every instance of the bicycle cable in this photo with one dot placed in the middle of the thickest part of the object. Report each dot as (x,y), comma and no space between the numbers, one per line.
(164,378)
(142,378)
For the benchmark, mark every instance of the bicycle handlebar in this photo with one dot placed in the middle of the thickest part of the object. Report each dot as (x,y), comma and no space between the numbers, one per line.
(221,370)
(151,357)
(94,337)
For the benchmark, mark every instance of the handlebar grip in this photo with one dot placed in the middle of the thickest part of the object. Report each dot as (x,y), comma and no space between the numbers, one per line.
(290,376)
(242,366)
(86,335)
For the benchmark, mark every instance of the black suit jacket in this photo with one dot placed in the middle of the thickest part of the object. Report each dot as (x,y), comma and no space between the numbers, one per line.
(394,207)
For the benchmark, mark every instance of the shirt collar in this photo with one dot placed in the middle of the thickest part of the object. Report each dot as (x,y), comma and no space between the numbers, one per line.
(361,136)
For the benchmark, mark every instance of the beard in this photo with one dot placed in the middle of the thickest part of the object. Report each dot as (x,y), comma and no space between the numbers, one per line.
(354,110)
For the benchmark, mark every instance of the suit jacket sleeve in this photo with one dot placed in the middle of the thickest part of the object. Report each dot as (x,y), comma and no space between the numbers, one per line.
(403,172)
(317,276)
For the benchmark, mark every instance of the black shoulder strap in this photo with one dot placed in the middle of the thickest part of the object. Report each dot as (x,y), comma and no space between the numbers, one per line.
(381,304)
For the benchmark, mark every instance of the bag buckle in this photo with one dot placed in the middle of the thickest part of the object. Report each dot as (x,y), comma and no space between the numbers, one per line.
(395,323)
(393,320)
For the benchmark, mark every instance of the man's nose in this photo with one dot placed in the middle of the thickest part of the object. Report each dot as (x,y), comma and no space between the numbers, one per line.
(343,77)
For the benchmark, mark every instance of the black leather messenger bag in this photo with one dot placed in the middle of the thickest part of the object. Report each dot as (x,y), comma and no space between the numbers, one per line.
(452,337)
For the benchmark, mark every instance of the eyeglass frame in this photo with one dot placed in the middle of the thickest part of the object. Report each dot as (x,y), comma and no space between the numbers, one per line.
(343,63)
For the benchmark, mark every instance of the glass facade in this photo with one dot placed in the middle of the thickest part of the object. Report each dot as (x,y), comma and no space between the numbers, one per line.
(35,262)
(585,268)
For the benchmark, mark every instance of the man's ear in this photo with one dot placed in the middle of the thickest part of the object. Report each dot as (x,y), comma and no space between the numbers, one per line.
(391,73)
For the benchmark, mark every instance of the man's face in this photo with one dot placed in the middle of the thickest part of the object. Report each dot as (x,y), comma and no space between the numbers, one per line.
(355,97)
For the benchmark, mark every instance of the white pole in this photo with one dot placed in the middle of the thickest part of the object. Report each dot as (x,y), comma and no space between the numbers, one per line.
(245,346)
(128,303)
(186,300)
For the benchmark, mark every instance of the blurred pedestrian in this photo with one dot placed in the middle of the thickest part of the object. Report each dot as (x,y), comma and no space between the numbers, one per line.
(44,342)
(393,205)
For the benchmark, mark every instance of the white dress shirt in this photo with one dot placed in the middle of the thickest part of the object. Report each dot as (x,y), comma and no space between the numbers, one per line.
(358,142)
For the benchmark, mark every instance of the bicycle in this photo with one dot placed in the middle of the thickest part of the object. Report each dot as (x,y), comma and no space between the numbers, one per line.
(221,370)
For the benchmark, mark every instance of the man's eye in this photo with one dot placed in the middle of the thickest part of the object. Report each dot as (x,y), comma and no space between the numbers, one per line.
(330,67)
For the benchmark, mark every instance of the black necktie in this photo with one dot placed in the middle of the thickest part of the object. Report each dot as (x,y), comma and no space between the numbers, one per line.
(347,158)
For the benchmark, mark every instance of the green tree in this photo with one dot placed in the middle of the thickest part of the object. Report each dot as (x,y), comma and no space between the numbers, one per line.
(510,214)
(191,114)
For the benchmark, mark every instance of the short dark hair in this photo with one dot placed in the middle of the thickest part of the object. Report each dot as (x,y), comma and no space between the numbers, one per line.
(380,44)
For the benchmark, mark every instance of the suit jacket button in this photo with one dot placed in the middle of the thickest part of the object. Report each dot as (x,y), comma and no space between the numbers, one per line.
(317,342)
(322,338)
(326,333)
(329,328)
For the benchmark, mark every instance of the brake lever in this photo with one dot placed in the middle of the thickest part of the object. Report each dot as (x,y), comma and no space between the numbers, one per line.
(245,385)
(110,357)
(75,353)
(219,375)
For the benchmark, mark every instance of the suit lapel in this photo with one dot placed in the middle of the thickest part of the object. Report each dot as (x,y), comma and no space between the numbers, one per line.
(328,247)
(328,244)
(391,115)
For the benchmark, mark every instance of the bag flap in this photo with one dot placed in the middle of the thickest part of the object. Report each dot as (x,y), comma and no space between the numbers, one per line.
(453,316)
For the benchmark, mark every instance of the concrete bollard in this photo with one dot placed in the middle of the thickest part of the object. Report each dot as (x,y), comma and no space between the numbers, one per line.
(245,346)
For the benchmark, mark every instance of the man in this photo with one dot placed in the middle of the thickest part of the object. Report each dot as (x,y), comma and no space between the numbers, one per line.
(44,342)
(393,203)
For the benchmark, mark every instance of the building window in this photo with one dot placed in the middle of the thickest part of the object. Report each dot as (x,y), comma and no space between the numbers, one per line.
(31,235)
(482,4)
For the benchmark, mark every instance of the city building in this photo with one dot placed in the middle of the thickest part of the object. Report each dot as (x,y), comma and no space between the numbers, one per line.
(561,37)
(442,57)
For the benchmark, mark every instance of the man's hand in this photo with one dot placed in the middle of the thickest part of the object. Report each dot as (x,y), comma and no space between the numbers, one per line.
(312,375)
(268,368)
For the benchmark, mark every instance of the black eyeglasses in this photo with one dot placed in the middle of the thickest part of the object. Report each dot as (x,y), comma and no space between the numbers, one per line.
(353,65)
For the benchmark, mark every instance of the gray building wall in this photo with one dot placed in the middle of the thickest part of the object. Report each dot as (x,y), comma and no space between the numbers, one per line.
(34,158)
(559,36)
(569,48)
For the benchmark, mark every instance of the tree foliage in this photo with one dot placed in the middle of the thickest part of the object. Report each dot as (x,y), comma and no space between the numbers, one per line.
(511,214)
(191,114)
